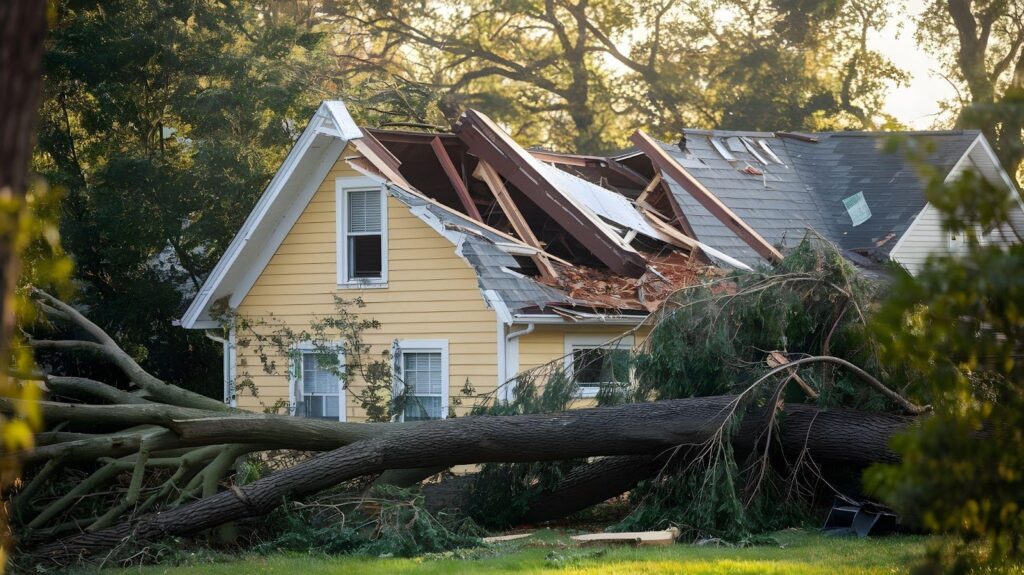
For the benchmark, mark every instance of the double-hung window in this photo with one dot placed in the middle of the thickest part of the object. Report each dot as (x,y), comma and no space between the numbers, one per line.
(317,389)
(362,232)
(423,377)
(592,362)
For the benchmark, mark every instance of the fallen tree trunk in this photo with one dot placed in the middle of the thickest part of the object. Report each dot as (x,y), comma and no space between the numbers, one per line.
(621,430)
(646,428)
(834,436)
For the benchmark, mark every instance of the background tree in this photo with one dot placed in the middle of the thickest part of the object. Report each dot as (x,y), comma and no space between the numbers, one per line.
(164,121)
(580,75)
(981,46)
(960,323)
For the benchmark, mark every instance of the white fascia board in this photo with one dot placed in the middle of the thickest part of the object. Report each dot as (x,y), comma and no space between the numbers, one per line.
(894,253)
(342,119)
(987,148)
(213,286)
(307,189)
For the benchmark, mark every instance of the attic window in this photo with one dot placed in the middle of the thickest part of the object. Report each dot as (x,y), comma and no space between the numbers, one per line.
(362,232)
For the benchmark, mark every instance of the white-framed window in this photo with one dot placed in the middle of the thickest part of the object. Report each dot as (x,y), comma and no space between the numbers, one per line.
(422,376)
(592,361)
(317,391)
(362,226)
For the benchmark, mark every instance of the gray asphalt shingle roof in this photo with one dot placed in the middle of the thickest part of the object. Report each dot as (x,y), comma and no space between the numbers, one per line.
(802,185)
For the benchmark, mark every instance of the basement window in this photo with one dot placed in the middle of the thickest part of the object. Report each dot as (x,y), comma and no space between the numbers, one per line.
(423,377)
(593,362)
(316,387)
(362,233)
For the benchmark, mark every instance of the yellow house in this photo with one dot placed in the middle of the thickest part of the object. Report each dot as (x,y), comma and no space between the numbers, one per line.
(470,279)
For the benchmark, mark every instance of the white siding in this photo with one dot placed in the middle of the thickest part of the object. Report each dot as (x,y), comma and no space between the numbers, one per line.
(926,235)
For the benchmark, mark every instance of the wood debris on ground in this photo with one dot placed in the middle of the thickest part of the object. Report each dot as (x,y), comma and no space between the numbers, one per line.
(635,538)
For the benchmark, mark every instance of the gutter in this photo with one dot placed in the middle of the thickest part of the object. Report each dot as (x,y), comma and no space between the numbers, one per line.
(509,362)
(546,319)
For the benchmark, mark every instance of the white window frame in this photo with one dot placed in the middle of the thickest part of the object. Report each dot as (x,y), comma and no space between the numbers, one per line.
(425,346)
(295,374)
(342,187)
(574,342)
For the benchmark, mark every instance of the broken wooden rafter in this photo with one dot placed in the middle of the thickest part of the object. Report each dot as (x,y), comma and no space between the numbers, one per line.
(381,159)
(491,144)
(775,359)
(664,162)
(485,172)
(654,183)
(455,179)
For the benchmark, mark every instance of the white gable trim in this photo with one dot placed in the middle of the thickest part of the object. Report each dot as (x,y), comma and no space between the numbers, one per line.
(329,130)
(894,253)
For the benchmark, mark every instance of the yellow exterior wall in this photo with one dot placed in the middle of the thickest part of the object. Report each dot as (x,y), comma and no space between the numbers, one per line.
(432,293)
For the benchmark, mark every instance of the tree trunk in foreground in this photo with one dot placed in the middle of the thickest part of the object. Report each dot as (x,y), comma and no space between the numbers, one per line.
(842,437)
(636,429)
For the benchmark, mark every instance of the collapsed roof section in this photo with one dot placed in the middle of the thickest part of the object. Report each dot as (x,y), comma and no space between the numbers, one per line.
(546,232)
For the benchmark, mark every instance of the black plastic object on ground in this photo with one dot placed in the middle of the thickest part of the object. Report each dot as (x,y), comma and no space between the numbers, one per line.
(863,518)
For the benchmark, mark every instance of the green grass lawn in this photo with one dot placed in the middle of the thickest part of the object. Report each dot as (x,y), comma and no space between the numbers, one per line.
(797,552)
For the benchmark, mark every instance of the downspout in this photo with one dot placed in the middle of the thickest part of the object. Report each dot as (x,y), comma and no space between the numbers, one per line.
(228,365)
(509,390)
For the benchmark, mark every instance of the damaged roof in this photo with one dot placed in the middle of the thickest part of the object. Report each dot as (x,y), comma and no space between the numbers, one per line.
(782,185)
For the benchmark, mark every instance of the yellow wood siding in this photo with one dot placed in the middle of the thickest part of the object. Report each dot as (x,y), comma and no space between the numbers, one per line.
(432,293)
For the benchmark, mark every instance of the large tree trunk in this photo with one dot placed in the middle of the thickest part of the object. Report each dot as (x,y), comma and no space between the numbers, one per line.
(835,437)
(636,429)
(22,29)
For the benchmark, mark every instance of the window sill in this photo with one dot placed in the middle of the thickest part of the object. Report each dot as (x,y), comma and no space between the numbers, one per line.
(362,285)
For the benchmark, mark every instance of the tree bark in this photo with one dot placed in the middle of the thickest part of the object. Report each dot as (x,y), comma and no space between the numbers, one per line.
(629,430)
(22,29)
(843,437)
(622,430)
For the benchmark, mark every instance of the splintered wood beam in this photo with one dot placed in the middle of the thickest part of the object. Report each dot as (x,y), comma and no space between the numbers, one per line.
(485,172)
(490,143)
(678,238)
(379,158)
(455,179)
(667,164)
(654,183)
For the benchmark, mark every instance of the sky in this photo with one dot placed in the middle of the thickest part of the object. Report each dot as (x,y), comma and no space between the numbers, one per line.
(915,104)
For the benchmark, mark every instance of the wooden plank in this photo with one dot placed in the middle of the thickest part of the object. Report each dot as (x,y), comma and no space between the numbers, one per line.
(775,359)
(664,162)
(455,179)
(678,237)
(635,538)
(493,145)
(506,538)
(654,183)
(485,172)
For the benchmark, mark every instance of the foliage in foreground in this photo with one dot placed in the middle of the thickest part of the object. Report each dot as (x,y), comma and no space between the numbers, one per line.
(961,323)
(383,521)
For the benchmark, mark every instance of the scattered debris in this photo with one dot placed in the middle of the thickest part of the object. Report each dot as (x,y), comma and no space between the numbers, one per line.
(506,538)
(849,516)
(635,538)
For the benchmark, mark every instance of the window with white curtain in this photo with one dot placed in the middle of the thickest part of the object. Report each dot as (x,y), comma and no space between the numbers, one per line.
(424,374)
